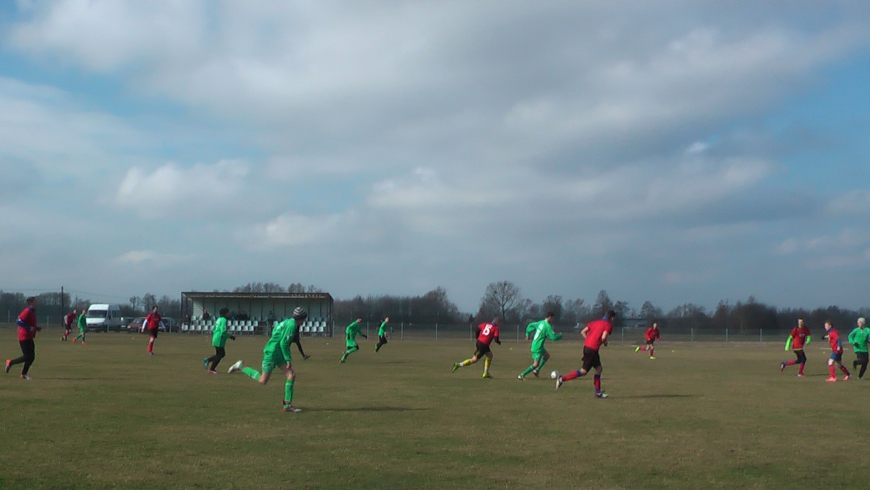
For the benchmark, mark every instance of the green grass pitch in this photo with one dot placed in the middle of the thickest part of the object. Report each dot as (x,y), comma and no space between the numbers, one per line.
(701,415)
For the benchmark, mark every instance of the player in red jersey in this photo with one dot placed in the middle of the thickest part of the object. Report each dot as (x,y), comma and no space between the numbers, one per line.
(486,334)
(797,339)
(596,334)
(26,333)
(651,335)
(68,320)
(152,324)
(836,353)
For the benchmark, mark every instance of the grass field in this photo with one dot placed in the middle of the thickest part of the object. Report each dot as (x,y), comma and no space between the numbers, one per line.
(105,415)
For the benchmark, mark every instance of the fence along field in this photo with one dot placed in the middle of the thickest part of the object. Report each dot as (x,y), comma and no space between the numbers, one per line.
(702,415)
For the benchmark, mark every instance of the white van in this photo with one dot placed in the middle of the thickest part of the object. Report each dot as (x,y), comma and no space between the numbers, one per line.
(103,318)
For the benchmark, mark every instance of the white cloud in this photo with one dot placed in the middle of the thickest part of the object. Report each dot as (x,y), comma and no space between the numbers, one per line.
(140,256)
(183,191)
(291,230)
(852,203)
(396,135)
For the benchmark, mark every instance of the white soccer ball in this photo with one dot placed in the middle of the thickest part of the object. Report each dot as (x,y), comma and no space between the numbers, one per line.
(554,374)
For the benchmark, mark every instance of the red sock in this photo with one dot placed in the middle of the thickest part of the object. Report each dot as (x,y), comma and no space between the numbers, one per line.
(597,383)
(801,369)
(571,375)
(831,369)
(652,351)
(845,371)
(791,363)
(150,346)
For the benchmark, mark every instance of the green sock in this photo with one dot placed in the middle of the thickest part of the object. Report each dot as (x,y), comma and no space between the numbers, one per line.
(288,392)
(528,370)
(253,373)
(541,365)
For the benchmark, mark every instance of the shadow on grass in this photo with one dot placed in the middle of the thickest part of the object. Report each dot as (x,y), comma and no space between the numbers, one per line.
(368,409)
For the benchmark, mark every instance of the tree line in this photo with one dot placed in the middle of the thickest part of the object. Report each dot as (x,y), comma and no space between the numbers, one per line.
(502,299)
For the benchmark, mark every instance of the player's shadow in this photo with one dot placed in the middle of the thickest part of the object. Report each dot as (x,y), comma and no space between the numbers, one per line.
(367,409)
(81,379)
(661,395)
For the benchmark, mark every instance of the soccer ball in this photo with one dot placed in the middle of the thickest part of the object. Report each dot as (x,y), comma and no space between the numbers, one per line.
(554,374)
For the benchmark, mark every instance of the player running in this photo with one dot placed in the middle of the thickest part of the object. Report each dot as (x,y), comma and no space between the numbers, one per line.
(382,334)
(486,334)
(83,327)
(276,353)
(596,334)
(797,340)
(836,353)
(152,324)
(68,320)
(859,338)
(218,341)
(651,335)
(26,333)
(539,332)
(350,334)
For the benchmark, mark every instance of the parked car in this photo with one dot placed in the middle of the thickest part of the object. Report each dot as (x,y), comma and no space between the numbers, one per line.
(135,325)
(171,325)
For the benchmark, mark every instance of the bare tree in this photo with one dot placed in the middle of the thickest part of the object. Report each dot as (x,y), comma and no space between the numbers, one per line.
(500,299)
(603,303)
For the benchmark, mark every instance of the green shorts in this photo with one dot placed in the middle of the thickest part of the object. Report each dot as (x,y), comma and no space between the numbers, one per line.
(276,359)
(539,355)
(351,345)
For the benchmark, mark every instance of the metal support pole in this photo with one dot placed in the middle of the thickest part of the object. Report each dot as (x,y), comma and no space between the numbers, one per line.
(692,334)
(402,332)
(436,331)
(623,335)
(726,335)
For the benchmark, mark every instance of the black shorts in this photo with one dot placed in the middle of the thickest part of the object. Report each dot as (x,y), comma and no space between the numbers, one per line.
(153,333)
(382,339)
(591,359)
(650,342)
(481,349)
(863,357)
(801,357)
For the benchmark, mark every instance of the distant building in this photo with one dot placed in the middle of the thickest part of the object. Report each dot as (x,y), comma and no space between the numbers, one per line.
(254,308)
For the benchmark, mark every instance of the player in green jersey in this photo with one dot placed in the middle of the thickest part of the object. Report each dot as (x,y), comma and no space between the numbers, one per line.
(277,354)
(539,332)
(859,339)
(350,334)
(83,326)
(382,334)
(219,342)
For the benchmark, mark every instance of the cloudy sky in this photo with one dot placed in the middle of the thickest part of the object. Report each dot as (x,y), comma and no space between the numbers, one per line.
(670,151)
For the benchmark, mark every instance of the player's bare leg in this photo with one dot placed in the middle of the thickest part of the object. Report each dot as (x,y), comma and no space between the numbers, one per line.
(466,362)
